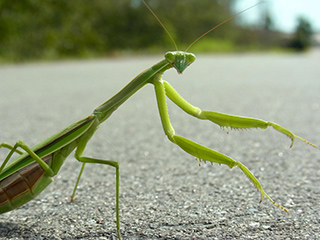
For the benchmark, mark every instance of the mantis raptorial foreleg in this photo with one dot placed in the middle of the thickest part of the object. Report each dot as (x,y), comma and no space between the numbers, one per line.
(226,120)
(164,89)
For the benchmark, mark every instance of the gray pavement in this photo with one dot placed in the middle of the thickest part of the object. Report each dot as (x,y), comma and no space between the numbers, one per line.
(164,193)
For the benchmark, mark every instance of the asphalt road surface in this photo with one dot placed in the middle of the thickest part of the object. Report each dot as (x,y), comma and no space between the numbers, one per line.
(164,194)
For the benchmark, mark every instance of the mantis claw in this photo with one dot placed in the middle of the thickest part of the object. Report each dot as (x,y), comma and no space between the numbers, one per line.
(313,145)
(72,199)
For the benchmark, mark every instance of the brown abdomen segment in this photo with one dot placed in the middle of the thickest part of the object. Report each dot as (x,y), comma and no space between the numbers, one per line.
(23,185)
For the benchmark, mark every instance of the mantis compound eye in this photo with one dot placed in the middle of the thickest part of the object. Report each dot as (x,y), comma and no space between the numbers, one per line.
(169,57)
(190,58)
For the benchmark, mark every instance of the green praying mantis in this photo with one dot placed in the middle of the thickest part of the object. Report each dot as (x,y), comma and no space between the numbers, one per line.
(26,176)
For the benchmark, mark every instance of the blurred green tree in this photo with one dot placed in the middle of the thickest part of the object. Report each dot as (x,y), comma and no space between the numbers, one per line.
(303,35)
(50,29)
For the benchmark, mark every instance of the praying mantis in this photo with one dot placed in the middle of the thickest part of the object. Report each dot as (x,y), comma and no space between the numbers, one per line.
(26,176)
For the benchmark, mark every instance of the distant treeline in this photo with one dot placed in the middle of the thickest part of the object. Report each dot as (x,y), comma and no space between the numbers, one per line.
(51,29)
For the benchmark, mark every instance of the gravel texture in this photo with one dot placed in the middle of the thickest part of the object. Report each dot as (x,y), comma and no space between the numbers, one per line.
(164,193)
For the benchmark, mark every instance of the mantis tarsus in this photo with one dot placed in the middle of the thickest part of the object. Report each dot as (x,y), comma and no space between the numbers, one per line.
(23,178)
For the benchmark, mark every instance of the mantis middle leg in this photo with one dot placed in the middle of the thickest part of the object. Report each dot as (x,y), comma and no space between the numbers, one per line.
(162,89)
(84,160)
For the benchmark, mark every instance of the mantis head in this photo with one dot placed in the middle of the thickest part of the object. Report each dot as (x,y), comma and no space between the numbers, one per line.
(180,60)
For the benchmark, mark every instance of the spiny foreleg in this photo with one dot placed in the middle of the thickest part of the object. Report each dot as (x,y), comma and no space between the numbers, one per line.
(195,149)
(226,120)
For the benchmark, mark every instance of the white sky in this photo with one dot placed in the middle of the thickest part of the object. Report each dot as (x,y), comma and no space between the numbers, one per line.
(284,13)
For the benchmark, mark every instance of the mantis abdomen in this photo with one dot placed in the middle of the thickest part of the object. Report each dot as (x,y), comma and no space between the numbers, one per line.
(23,185)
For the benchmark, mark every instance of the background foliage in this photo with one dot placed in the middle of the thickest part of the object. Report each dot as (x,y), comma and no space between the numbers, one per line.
(51,29)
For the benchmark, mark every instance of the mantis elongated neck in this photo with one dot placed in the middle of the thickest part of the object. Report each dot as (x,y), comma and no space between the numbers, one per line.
(107,108)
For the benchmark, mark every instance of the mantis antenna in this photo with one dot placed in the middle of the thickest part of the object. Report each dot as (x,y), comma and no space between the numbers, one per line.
(223,22)
(204,34)
(174,43)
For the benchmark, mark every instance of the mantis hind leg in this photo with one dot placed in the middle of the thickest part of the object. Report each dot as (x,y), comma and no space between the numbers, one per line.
(21,144)
(7,145)
(13,149)
(195,149)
